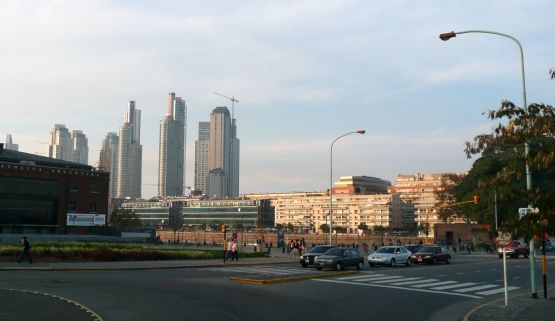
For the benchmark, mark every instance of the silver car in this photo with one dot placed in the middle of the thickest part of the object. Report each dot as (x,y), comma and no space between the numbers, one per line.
(390,255)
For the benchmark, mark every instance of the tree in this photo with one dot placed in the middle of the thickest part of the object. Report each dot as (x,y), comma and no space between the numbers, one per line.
(552,73)
(290,227)
(503,161)
(340,229)
(363,227)
(124,217)
(279,226)
(445,196)
(325,228)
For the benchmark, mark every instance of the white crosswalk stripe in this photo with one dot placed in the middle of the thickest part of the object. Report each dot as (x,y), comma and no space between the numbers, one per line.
(416,282)
(363,277)
(500,290)
(476,288)
(460,285)
(429,285)
(450,287)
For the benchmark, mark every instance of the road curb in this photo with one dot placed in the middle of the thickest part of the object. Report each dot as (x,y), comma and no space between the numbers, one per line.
(291,278)
(93,314)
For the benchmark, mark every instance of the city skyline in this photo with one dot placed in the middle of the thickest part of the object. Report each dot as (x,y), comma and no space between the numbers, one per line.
(305,72)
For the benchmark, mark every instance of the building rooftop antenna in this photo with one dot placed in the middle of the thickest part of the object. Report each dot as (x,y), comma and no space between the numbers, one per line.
(233,101)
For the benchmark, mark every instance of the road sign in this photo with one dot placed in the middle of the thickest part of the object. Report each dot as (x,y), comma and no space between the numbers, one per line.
(523,211)
(503,239)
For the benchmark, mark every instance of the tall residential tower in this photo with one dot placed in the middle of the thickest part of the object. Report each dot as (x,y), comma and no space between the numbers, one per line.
(108,160)
(201,157)
(171,175)
(130,154)
(223,155)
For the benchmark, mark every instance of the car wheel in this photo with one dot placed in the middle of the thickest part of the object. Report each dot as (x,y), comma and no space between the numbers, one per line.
(359,266)
(319,268)
(392,262)
(338,267)
(408,262)
(447,260)
(525,256)
(415,262)
(304,265)
(500,256)
(371,264)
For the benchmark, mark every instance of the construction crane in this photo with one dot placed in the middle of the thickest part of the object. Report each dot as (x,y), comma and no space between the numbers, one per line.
(233,101)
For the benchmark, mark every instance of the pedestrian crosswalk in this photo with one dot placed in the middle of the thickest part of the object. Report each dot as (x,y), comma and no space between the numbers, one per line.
(263,270)
(422,284)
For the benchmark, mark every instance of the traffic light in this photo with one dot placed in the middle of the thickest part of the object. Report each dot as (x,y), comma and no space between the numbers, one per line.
(475,199)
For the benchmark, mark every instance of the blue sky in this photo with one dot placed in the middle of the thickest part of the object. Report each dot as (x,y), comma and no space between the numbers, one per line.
(304,72)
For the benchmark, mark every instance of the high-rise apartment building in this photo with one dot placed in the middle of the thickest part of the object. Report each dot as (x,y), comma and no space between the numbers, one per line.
(171,175)
(201,157)
(80,147)
(223,155)
(130,154)
(420,190)
(9,143)
(59,146)
(108,160)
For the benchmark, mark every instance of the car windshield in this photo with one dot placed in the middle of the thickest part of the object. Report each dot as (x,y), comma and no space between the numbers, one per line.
(386,250)
(333,252)
(427,249)
(319,249)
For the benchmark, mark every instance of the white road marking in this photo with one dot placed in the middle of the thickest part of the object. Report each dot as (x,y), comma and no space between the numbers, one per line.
(516,278)
(388,280)
(460,273)
(416,282)
(460,285)
(360,277)
(476,288)
(370,278)
(429,285)
(396,287)
(490,292)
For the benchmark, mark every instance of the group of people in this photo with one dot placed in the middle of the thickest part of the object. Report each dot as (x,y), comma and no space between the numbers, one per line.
(296,247)
(232,250)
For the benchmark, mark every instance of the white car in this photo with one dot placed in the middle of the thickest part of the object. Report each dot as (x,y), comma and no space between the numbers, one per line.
(390,255)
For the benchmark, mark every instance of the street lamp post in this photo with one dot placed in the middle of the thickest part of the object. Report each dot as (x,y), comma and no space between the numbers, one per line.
(362,132)
(448,35)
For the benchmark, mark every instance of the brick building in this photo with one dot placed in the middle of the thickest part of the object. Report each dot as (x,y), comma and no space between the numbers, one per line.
(44,195)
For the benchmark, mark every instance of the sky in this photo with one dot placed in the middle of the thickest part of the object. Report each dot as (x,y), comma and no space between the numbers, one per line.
(304,72)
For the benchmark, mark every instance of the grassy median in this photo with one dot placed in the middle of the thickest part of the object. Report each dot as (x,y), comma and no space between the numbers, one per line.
(104,252)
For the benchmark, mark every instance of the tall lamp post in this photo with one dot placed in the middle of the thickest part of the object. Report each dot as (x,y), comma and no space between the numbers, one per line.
(362,132)
(448,35)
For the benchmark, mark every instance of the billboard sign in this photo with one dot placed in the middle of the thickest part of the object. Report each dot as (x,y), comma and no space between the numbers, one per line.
(76,219)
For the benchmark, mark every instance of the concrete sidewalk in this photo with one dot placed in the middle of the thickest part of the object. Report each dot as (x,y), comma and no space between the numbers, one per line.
(522,308)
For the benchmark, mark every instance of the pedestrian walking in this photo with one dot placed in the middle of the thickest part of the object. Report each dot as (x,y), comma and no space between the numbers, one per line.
(235,253)
(229,253)
(26,250)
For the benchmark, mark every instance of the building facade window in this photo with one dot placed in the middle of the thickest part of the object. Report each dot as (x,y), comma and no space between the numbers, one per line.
(71,207)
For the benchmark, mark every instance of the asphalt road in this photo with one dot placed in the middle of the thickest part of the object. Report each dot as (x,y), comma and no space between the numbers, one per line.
(423,292)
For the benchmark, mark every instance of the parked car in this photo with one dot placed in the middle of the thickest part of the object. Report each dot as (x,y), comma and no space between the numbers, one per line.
(308,258)
(413,248)
(339,258)
(390,255)
(431,254)
(515,250)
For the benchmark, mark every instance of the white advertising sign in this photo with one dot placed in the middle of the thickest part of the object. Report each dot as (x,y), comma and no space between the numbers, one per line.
(76,219)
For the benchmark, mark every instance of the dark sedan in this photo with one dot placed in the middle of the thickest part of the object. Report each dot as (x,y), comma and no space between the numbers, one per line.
(339,258)
(308,258)
(431,254)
